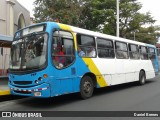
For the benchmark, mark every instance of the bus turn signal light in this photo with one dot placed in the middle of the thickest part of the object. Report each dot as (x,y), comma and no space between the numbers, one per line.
(45,75)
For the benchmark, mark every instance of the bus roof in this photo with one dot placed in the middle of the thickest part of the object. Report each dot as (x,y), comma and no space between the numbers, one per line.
(101,35)
(92,33)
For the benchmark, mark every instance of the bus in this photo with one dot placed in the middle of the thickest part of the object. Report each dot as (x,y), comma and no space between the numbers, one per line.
(51,59)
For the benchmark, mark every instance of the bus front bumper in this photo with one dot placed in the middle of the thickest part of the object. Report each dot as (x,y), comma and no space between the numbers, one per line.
(42,91)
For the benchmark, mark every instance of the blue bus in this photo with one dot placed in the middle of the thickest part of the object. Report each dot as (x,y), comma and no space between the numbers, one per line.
(51,59)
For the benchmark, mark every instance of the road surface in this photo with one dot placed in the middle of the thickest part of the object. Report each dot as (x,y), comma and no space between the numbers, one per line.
(126,97)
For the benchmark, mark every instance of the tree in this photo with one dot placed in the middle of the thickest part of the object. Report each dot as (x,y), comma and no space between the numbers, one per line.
(130,19)
(148,34)
(96,15)
(88,14)
(64,11)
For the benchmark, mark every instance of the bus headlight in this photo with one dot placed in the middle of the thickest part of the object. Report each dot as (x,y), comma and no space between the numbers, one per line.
(36,81)
(40,79)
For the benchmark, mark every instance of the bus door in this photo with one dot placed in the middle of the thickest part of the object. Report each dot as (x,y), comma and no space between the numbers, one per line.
(63,57)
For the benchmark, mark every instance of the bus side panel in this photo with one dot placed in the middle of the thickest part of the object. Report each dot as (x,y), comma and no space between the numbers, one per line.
(67,80)
(101,68)
(119,77)
(131,70)
(106,69)
(55,86)
(149,68)
(81,70)
(137,66)
(66,86)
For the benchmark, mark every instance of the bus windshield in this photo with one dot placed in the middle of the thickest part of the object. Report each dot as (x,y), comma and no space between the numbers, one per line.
(29,52)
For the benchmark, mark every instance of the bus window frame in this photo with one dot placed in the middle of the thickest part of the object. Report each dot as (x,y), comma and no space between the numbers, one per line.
(143,53)
(112,41)
(95,45)
(152,54)
(138,51)
(74,56)
(121,50)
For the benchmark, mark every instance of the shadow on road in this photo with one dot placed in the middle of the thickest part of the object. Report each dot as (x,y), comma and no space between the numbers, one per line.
(54,102)
(116,88)
(10,97)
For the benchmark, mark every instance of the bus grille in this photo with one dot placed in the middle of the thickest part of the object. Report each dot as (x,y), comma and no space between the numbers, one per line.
(22,82)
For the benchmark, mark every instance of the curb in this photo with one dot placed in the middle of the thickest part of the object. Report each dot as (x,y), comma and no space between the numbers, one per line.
(4,92)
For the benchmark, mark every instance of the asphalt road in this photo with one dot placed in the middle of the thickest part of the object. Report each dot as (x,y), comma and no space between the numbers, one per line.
(126,97)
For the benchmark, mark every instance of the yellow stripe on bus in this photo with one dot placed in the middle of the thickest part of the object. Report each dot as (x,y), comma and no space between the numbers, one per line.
(4,92)
(93,68)
(67,28)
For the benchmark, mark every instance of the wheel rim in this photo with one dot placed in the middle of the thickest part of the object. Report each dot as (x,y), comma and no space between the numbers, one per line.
(87,87)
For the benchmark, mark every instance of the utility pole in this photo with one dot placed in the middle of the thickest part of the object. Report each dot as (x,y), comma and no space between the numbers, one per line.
(117,32)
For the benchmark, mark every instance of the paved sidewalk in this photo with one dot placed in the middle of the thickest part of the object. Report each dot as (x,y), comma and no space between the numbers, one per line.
(4,89)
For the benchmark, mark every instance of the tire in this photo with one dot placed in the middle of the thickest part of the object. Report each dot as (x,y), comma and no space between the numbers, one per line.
(142,78)
(86,87)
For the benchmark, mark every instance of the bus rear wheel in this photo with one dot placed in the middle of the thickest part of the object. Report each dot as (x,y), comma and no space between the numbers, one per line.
(86,87)
(142,78)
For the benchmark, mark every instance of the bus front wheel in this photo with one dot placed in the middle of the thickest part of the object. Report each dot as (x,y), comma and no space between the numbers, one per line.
(86,87)
(142,78)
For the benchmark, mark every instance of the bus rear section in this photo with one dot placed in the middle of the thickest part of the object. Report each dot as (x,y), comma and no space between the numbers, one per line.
(153,56)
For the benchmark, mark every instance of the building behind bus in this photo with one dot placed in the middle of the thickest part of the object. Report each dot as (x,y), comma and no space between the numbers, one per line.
(13,16)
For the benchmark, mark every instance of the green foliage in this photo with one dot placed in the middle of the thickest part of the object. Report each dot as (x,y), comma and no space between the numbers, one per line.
(65,11)
(99,15)
(148,35)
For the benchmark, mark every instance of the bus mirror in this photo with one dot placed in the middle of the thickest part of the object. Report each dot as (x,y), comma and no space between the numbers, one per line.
(2,51)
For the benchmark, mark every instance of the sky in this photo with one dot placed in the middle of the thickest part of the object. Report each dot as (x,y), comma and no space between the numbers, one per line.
(152,6)
(28,4)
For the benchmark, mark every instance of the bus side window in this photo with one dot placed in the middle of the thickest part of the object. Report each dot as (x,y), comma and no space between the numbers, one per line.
(86,46)
(105,48)
(121,50)
(133,51)
(62,49)
(143,53)
(151,53)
